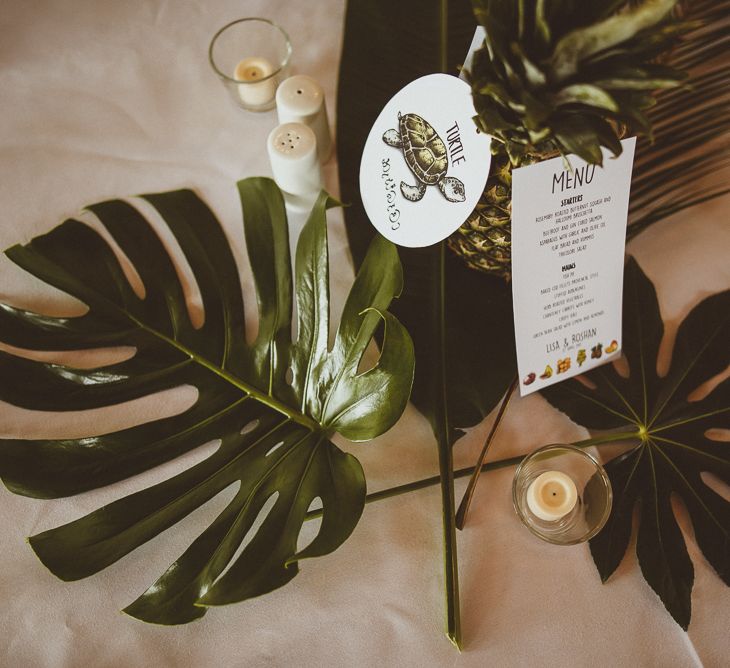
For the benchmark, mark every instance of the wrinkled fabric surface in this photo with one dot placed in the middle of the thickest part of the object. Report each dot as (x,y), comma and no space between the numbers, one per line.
(106,99)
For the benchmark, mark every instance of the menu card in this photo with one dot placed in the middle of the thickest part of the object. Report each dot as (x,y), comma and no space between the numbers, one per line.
(568,241)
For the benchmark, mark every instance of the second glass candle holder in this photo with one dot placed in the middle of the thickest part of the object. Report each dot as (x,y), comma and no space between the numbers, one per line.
(562,494)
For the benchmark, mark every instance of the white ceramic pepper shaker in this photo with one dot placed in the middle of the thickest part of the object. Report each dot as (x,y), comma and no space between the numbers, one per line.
(292,149)
(300,99)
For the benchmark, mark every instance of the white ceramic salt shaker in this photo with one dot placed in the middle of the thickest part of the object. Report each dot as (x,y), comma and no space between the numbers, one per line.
(300,99)
(292,149)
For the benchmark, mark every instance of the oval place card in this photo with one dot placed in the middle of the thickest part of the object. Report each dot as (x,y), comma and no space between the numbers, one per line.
(424,165)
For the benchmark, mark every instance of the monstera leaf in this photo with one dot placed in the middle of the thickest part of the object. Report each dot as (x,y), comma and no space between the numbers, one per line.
(674,442)
(273,404)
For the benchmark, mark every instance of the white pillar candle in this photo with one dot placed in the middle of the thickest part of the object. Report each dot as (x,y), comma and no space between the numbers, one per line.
(258,90)
(292,151)
(552,495)
(300,99)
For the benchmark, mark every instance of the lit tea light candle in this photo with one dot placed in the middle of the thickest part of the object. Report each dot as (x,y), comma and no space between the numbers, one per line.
(300,99)
(552,495)
(256,90)
(292,149)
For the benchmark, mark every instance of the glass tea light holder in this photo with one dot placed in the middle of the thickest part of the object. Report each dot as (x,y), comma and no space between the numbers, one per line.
(251,57)
(562,494)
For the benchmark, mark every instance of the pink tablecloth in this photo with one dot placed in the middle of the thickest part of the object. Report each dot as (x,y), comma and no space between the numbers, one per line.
(103,99)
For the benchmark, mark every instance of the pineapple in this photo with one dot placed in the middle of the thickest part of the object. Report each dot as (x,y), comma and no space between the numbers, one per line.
(484,240)
(556,77)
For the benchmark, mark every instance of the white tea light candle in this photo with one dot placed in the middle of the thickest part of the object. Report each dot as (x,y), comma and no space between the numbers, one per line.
(300,99)
(292,149)
(552,495)
(258,87)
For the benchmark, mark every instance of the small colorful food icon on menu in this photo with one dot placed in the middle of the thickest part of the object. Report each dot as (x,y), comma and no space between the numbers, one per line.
(612,348)
(564,365)
(581,357)
(529,379)
(547,373)
(597,351)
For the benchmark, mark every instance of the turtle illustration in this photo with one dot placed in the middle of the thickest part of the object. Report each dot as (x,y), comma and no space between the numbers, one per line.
(425,154)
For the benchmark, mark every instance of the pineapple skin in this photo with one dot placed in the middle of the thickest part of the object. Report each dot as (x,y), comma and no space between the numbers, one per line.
(484,241)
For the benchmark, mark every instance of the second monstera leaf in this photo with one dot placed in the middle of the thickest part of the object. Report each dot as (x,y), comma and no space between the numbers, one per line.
(675,443)
(273,404)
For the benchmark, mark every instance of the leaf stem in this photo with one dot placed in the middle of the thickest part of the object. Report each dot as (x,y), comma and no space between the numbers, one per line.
(442,423)
(416,485)
(444,37)
(466,499)
(442,429)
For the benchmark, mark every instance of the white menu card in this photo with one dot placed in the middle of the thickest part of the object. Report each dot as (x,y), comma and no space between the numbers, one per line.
(568,242)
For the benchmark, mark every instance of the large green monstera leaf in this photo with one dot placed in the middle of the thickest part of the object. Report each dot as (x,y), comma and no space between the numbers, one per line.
(273,404)
(674,441)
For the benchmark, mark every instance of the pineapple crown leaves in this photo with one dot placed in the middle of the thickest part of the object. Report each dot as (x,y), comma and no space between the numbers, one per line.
(570,76)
